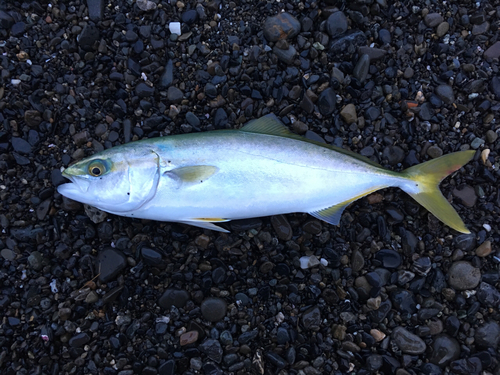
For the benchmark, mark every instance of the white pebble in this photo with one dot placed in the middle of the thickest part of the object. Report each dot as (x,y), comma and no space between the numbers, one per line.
(308,262)
(487,227)
(15,82)
(175,28)
(324,262)
(53,286)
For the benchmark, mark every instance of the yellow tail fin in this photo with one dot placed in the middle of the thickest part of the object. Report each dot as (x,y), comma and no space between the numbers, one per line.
(428,175)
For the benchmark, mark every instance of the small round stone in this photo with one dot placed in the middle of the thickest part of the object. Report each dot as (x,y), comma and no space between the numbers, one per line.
(408,342)
(213,309)
(463,276)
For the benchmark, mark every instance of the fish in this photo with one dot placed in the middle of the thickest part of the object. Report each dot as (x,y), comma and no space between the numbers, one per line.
(262,169)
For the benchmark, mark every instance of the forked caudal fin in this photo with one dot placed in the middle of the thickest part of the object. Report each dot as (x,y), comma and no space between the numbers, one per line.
(428,175)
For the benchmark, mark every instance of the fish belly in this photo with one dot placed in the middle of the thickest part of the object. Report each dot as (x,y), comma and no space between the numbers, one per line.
(260,175)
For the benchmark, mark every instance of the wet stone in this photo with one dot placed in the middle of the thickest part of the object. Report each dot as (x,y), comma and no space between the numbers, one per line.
(281,26)
(491,136)
(79,340)
(327,101)
(151,257)
(189,337)
(143,90)
(492,52)
(220,119)
(212,349)
(173,297)
(463,276)
(189,17)
(372,113)
(488,295)
(467,366)
(488,335)
(361,69)
(111,264)
(384,36)
(282,227)
(248,336)
(433,19)
(8,254)
(88,36)
(285,55)
(174,95)
(445,349)
(35,260)
(408,342)
(357,261)
(404,301)
(213,309)
(337,24)
(484,249)
(442,29)
(388,258)
(311,318)
(32,118)
(20,145)
(348,114)
(434,151)
(96,215)
(393,154)
(466,195)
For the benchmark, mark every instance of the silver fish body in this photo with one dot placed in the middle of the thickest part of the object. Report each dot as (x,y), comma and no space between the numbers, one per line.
(205,178)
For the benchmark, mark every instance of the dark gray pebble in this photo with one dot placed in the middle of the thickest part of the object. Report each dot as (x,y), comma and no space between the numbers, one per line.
(408,342)
(283,25)
(212,349)
(213,309)
(445,349)
(173,297)
(79,340)
(111,263)
(336,24)
(488,335)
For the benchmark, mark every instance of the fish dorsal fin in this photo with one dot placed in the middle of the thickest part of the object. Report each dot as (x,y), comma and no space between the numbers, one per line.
(271,125)
(268,124)
(193,174)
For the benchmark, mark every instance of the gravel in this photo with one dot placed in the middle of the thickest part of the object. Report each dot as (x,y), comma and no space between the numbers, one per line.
(390,290)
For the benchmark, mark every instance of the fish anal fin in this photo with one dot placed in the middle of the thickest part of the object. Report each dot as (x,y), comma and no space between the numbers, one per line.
(206,223)
(192,174)
(333,213)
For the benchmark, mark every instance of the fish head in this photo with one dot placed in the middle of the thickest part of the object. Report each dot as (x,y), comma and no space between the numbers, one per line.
(115,180)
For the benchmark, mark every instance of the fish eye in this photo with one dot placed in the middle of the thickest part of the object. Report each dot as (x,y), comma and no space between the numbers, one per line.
(96,168)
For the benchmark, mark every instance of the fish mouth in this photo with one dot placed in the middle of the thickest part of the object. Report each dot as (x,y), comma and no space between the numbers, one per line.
(79,184)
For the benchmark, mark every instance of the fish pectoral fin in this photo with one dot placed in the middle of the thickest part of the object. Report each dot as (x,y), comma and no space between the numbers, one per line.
(331,214)
(195,174)
(206,223)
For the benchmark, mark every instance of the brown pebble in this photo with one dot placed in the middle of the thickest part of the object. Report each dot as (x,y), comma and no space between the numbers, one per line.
(466,195)
(375,198)
(188,338)
(377,335)
(202,241)
(374,303)
(484,249)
